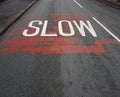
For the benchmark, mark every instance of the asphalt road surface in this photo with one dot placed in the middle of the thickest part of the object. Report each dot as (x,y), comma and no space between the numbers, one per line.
(62,48)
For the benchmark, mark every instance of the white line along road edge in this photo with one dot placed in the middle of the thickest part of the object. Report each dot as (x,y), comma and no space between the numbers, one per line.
(78,4)
(106,29)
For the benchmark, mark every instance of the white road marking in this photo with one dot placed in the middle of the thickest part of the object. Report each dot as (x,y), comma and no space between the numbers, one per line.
(106,29)
(78,4)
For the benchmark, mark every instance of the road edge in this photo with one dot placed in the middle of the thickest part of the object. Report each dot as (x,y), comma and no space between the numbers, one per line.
(110,4)
(11,22)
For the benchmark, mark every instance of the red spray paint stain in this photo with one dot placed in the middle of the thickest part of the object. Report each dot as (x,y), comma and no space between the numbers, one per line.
(58,45)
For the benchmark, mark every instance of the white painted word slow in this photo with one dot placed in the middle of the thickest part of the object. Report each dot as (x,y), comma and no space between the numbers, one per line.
(71,24)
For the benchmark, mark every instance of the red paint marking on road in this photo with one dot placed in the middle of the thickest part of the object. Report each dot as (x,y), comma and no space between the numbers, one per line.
(59,45)
(54,45)
(57,17)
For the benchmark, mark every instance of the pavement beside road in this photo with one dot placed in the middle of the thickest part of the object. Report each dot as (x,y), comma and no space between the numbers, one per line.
(10,11)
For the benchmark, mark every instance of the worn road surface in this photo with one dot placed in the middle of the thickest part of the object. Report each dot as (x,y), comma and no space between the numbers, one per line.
(62,48)
(10,8)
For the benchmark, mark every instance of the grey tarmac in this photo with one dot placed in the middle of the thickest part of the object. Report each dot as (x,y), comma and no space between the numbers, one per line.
(62,66)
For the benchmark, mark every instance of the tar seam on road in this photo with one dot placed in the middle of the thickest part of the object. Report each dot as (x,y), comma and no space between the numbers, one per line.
(106,29)
(78,4)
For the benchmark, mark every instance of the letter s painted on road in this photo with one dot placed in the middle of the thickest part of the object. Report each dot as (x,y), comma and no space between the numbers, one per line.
(37,29)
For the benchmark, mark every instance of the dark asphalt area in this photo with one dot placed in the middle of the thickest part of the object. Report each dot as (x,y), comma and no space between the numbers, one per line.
(112,3)
(10,8)
(62,66)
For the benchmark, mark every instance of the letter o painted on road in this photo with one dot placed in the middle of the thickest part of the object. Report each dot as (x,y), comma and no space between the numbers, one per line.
(60,27)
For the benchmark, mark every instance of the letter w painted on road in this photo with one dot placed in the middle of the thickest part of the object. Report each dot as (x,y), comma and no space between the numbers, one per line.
(88,27)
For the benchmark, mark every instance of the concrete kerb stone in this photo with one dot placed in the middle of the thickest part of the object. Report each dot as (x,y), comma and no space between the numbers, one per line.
(11,22)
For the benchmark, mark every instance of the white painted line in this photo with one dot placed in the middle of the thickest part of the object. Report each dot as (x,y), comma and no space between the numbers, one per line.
(106,29)
(78,4)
